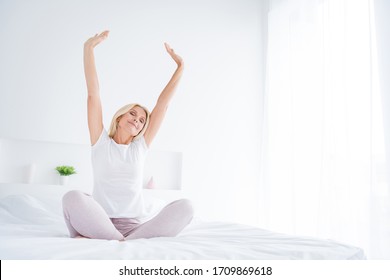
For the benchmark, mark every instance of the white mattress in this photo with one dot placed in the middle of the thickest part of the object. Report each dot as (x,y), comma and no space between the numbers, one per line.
(32,227)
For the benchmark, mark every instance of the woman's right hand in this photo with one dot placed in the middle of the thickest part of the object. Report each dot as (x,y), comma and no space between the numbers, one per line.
(97,39)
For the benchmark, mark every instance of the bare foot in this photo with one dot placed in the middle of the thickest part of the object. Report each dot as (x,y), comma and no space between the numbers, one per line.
(81,237)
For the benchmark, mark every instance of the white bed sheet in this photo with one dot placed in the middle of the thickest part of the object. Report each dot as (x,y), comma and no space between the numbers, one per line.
(32,227)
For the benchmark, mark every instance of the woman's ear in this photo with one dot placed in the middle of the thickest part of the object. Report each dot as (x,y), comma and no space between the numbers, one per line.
(117,121)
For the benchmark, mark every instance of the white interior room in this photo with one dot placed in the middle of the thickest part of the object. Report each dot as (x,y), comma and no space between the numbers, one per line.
(280,120)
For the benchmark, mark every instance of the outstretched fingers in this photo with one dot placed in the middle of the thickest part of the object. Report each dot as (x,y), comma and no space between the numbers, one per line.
(104,33)
(172,53)
(97,39)
(168,48)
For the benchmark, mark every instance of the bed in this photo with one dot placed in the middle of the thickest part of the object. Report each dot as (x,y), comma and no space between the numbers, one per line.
(32,227)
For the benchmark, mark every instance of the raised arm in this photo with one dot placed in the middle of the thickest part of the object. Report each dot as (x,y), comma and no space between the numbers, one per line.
(95,119)
(158,113)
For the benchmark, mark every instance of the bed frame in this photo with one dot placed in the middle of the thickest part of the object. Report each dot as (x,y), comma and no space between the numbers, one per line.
(34,162)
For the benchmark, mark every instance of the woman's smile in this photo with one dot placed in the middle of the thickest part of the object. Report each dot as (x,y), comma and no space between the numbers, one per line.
(133,124)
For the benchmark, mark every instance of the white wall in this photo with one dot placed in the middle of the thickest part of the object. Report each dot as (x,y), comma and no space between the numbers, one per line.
(215,117)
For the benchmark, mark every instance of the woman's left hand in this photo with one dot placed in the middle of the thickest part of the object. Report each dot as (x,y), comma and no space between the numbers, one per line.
(176,57)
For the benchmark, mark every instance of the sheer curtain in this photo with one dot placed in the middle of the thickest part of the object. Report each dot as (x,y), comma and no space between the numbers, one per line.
(323,154)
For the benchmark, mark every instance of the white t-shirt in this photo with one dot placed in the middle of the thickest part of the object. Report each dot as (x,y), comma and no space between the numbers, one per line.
(118,176)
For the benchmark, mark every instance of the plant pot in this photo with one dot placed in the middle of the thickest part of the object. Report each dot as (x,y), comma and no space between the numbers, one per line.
(64,180)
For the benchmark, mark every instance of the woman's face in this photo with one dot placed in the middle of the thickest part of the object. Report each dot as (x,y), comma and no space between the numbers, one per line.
(133,121)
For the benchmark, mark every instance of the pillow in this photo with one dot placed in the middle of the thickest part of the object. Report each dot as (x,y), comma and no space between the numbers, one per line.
(22,208)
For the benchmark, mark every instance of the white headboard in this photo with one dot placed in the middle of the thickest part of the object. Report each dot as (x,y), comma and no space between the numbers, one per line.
(34,162)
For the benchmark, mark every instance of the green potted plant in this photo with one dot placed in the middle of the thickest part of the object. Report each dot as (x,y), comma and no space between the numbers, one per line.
(65,171)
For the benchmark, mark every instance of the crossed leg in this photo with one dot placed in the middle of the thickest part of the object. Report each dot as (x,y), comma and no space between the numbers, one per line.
(85,217)
(168,223)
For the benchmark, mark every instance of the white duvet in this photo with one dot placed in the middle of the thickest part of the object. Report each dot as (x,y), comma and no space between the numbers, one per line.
(32,227)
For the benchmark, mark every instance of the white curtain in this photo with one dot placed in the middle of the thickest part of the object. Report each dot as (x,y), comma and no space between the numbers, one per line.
(323,154)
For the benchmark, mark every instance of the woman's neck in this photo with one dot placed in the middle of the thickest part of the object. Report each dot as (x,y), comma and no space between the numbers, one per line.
(122,139)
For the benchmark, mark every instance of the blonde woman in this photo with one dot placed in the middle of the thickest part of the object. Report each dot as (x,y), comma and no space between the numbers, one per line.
(116,211)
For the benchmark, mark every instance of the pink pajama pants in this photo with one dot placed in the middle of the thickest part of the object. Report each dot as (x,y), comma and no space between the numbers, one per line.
(85,217)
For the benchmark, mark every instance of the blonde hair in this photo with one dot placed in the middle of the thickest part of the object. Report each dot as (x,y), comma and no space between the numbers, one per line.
(121,112)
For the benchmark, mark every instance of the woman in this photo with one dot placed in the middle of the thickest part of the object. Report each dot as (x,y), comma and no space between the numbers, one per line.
(115,211)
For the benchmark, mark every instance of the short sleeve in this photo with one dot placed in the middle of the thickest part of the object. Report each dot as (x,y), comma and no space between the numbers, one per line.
(103,138)
(141,144)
